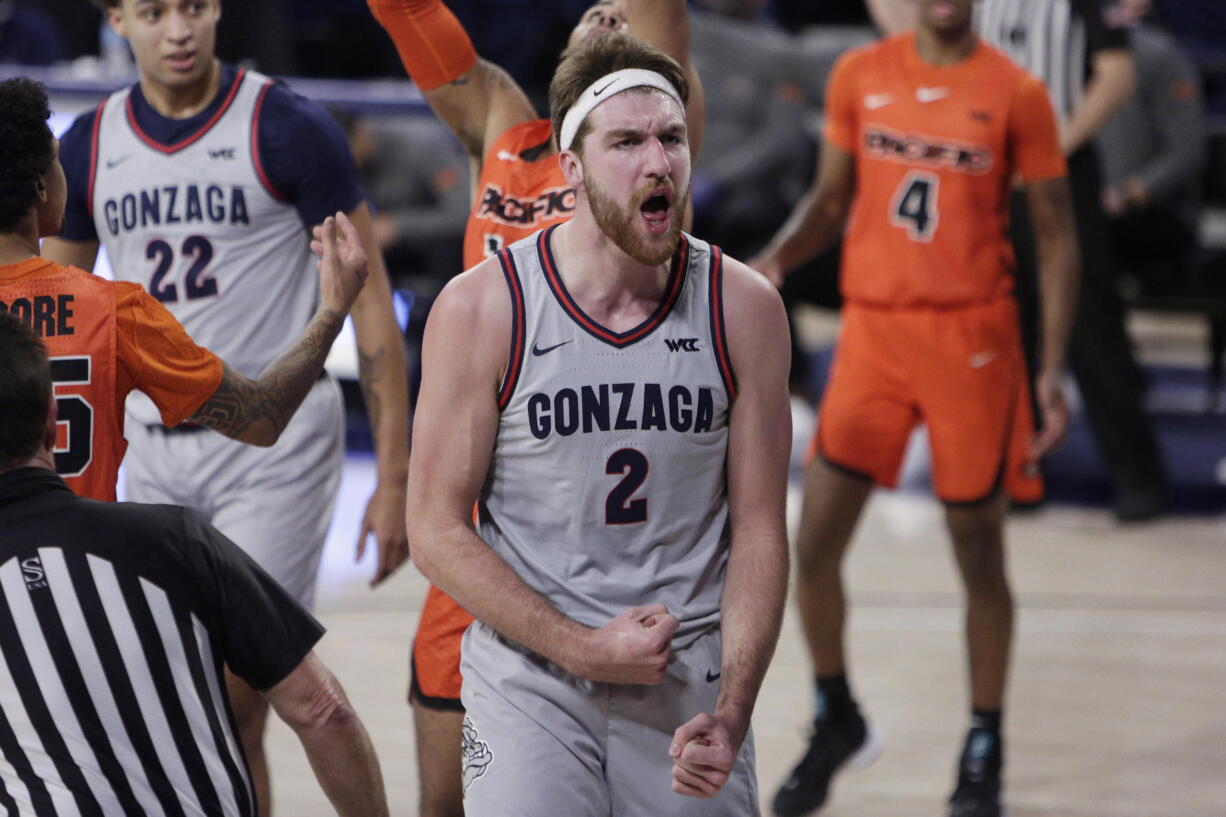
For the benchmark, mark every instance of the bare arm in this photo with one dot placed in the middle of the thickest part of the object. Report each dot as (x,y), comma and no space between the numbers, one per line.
(818,218)
(665,24)
(1051,211)
(1111,82)
(755,584)
(466,342)
(893,16)
(384,381)
(257,411)
(311,702)
(79,254)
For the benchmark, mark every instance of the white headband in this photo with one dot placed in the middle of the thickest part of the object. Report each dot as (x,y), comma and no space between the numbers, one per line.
(608,86)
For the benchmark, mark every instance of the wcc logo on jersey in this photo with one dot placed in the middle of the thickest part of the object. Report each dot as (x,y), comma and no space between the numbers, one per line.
(917,148)
(176,204)
(515,212)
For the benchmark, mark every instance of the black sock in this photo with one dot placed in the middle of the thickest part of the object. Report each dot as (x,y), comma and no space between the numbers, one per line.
(988,719)
(834,699)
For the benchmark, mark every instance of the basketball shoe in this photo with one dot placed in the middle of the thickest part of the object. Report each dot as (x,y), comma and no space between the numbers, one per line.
(977,793)
(842,743)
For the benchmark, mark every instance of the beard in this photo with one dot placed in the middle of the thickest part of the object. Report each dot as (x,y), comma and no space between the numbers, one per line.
(618,223)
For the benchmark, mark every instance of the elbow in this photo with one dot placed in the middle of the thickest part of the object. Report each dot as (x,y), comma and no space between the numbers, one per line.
(260,435)
(420,552)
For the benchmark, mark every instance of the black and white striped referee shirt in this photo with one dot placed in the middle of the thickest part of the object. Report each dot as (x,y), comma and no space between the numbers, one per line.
(115,620)
(1053,39)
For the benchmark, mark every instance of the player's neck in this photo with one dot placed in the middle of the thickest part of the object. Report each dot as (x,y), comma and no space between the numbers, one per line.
(22,243)
(598,274)
(945,48)
(181,103)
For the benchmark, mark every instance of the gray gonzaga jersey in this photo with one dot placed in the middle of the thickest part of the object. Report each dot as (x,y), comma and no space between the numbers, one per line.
(607,485)
(198,225)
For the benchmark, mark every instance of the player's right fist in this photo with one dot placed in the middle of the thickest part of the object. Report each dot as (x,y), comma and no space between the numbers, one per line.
(633,648)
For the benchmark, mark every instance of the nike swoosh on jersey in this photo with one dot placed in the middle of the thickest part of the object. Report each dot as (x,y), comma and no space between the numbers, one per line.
(713,676)
(978,361)
(930,94)
(116,162)
(507,156)
(875,101)
(538,351)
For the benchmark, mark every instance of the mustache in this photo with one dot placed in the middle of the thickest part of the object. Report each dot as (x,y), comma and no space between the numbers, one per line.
(648,190)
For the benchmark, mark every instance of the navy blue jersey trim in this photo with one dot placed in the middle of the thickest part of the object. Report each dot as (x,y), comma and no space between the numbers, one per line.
(676,282)
(256,159)
(195,137)
(93,155)
(515,359)
(719,334)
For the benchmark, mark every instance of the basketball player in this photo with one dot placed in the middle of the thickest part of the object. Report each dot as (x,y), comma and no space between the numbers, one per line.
(519,188)
(199,180)
(107,338)
(925,133)
(613,393)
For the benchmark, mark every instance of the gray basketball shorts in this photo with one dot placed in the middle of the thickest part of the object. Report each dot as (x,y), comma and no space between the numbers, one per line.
(540,742)
(275,503)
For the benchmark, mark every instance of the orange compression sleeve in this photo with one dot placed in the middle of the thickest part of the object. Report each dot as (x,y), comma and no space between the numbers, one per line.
(434,48)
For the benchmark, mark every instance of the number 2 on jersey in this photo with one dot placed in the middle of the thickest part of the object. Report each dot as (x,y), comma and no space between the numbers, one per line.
(914,206)
(196,247)
(74,412)
(619,508)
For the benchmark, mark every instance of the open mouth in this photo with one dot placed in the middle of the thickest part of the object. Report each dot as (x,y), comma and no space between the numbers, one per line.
(656,210)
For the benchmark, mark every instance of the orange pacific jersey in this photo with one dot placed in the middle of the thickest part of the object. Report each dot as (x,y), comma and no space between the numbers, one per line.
(936,149)
(105,338)
(521,190)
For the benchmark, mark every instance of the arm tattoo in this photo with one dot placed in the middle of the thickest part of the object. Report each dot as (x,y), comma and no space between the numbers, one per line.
(257,411)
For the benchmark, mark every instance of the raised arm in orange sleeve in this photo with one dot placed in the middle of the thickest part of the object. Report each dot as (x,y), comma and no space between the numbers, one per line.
(1034,135)
(434,48)
(157,356)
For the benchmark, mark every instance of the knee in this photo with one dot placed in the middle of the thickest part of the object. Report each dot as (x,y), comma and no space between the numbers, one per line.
(981,557)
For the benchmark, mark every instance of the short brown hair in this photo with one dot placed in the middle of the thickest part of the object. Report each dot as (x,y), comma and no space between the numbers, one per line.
(25,391)
(599,56)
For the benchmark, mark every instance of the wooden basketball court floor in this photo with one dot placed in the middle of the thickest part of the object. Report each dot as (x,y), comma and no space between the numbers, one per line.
(1117,706)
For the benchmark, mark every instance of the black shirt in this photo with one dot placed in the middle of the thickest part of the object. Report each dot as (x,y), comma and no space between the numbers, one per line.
(115,620)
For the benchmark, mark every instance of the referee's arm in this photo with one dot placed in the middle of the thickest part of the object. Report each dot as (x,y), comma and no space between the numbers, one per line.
(1112,80)
(311,702)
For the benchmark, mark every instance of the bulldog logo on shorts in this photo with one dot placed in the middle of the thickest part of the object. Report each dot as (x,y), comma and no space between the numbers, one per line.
(475,752)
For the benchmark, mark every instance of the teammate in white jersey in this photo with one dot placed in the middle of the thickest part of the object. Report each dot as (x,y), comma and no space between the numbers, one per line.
(200,180)
(613,394)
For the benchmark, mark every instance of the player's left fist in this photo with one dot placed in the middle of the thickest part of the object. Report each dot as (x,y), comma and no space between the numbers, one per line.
(703,752)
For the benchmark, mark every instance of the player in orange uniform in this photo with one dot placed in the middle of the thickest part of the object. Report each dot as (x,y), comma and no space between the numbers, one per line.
(518,189)
(925,133)
(107,338)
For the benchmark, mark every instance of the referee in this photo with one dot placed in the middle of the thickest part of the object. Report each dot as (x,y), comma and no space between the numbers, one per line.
(1089,73)
(115,620)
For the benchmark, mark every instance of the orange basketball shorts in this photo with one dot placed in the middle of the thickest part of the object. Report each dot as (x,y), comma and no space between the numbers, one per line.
(960,372)
(436,652)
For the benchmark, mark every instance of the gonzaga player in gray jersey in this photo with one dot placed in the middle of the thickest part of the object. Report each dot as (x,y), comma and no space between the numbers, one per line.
(613,394)
(200,180)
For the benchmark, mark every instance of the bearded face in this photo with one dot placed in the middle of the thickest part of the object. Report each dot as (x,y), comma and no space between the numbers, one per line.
(627,225)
